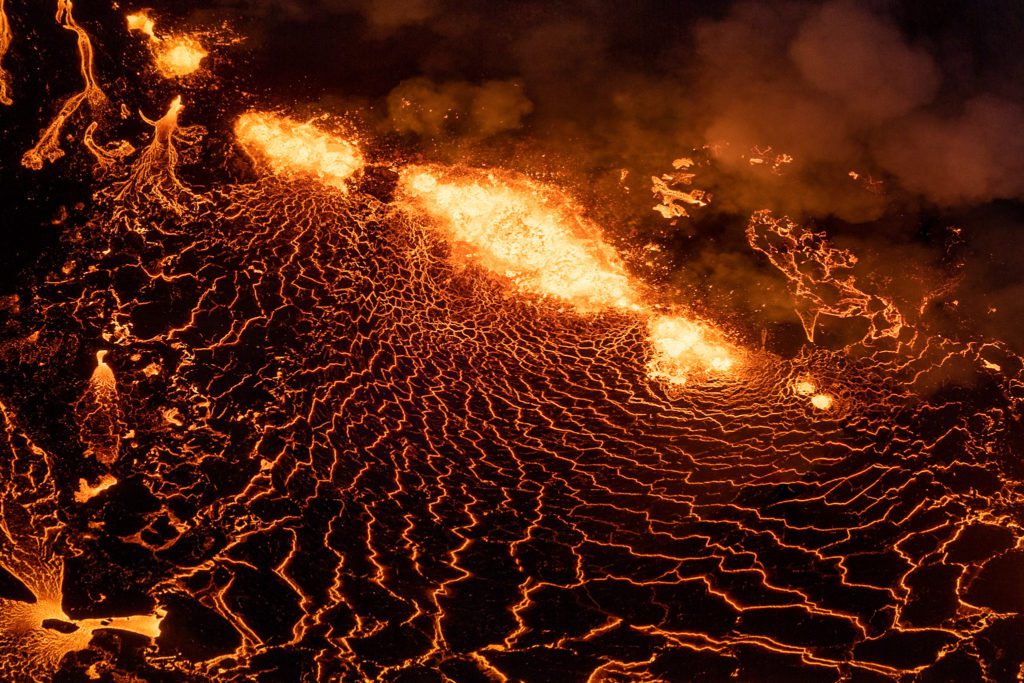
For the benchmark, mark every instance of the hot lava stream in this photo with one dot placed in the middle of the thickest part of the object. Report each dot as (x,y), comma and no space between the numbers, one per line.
(425,425)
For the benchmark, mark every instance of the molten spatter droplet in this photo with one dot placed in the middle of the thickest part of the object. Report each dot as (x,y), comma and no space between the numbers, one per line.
(293,149)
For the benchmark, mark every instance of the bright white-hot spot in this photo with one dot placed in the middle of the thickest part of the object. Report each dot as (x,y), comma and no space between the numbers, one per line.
(804,387)
(178,56)
(294,149)
(822,401)
(683,347)
(141,22)
(525,231)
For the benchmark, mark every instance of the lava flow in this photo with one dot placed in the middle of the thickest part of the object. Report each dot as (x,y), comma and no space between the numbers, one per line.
(282,406)
(526,232)
(298,149)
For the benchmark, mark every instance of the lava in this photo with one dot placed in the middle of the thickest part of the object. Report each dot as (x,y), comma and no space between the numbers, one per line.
(821,401)
(179,56)
(295,149)
(683,348)
(6,36)
(519,229)
(47,149)
(312,426)
(536,238)
(175,55)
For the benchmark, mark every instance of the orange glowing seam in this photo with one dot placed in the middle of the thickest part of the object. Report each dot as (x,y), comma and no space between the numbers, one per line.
(5,43)
(174,56)
(534,236)
(295,150)
(48,147)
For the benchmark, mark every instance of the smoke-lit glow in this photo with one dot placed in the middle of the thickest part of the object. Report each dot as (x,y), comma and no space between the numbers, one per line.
(295,150)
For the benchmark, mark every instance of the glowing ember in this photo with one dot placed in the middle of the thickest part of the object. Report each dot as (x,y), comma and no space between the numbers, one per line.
(294,149)
(524,231)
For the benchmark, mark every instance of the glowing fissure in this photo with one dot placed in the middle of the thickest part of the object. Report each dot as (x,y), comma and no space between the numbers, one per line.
(6,36)
(298,150)
(534,236)
(522,230)
(342,458)
(35,635)
(48,148)
(821,277)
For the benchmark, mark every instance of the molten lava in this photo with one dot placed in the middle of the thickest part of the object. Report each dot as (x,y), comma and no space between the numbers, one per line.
(534,236)
(179,56)
(310,448)
(683,347)
(5,43)
(176,55)
(524,231)
(48,146)
(298,150)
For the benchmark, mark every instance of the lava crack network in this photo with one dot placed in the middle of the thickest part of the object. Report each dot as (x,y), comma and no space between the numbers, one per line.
(338,430)
(534,236)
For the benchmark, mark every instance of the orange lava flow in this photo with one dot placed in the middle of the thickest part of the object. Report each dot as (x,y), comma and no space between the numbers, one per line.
(5,43)
(293,149)
(48,147)
(538,239)
(522,230)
